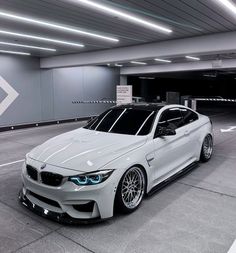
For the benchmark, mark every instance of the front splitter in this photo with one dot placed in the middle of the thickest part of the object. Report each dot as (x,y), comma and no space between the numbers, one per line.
(62,218)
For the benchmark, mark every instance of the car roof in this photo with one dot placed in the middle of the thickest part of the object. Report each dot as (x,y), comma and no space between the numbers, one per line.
(151,106)
(142,106)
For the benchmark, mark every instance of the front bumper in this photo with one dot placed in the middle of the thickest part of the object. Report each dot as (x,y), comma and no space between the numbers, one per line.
(66,202)
(63,218)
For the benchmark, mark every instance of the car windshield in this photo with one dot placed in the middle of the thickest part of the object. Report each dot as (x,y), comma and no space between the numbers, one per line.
(132,121)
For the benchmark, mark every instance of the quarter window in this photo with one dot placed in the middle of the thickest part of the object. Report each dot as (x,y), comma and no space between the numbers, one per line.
(188,116)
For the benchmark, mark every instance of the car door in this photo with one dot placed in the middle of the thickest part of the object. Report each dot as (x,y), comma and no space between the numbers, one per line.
(191,128)
(170,152)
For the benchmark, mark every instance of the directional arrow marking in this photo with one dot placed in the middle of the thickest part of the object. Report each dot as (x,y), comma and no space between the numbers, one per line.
(11,95)
(230,129)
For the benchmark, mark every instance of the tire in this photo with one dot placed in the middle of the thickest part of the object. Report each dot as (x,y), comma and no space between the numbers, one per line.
(207,148)
(130,191)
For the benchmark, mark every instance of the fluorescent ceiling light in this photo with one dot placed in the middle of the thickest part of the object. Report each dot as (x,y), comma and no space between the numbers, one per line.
(118,65)
(55,26)
(192,58)
(129,17)
(162,60)
(138,62)
(229,5)
(146,77)
(13,52)
(209,75)
(41,38)
(27,46)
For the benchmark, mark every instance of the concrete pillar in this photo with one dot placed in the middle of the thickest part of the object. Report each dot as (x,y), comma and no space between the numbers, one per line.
(123,80)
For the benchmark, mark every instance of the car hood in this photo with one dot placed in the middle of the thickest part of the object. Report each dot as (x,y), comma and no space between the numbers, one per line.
(85,150)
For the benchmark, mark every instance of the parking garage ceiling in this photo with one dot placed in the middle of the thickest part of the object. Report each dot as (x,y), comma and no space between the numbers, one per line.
(183,18)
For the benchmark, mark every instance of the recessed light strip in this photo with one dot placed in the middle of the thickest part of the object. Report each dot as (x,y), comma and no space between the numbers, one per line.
(192,58)
(118,65)
(55,26)
(41,38)
(162,60)
(138,62)
(229,5)
(209,75)
(13,52)
(146,77)
(27,46)
(135,19)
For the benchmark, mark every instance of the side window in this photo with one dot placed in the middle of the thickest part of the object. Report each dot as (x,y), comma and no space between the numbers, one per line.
(171,118)
(188,116)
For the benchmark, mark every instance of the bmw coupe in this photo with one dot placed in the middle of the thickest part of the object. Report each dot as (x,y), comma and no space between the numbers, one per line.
(114,161)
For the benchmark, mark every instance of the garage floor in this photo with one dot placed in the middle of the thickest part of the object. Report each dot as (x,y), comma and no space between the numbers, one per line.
(196,213)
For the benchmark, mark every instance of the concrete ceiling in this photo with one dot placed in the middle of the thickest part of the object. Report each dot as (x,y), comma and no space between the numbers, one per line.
(186,19)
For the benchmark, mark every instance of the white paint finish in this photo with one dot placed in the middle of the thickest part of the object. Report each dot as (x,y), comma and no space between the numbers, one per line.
(97,147)
(12,94)
(232,248)
(11,163)
(201,45)
(86,151)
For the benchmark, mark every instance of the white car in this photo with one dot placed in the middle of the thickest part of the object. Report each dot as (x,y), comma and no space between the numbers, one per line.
(112,162)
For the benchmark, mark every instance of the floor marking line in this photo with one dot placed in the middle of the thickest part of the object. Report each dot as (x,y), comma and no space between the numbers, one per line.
(7,164)
(233,248)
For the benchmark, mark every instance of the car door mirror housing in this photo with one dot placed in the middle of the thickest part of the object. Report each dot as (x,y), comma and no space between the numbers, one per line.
(164,131)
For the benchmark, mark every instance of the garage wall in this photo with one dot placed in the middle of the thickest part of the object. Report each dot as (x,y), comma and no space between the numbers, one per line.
(46,95)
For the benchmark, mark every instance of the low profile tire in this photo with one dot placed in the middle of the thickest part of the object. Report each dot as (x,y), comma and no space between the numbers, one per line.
(207,148)
(130,191)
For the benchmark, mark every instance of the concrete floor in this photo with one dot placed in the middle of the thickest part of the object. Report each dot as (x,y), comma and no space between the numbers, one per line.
(196,213)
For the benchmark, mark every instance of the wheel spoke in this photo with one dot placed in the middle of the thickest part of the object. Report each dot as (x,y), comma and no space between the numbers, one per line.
(133,187)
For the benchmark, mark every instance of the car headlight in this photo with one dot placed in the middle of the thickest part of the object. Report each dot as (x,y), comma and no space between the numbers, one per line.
(92,178)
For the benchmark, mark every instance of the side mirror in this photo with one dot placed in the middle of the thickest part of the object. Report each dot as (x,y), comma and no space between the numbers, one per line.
(164,131)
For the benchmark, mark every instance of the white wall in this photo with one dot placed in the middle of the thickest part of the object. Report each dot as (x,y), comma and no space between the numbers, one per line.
(46,95)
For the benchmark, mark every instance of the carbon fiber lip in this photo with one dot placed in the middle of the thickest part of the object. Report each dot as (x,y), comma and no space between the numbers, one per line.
(62,218)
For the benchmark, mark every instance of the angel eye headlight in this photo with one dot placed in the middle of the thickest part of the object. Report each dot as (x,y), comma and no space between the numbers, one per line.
(92,178)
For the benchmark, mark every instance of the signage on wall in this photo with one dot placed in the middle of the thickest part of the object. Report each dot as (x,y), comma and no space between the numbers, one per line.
(12,94)
(124,94)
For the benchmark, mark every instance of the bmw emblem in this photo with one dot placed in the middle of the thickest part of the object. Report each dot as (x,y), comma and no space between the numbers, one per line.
(43,166)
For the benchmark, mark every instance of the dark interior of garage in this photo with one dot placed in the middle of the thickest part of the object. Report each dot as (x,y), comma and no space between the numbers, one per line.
(198,84)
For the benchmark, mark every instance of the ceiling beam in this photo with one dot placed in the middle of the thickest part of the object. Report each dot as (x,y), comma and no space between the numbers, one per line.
(201,45)
(177,67)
